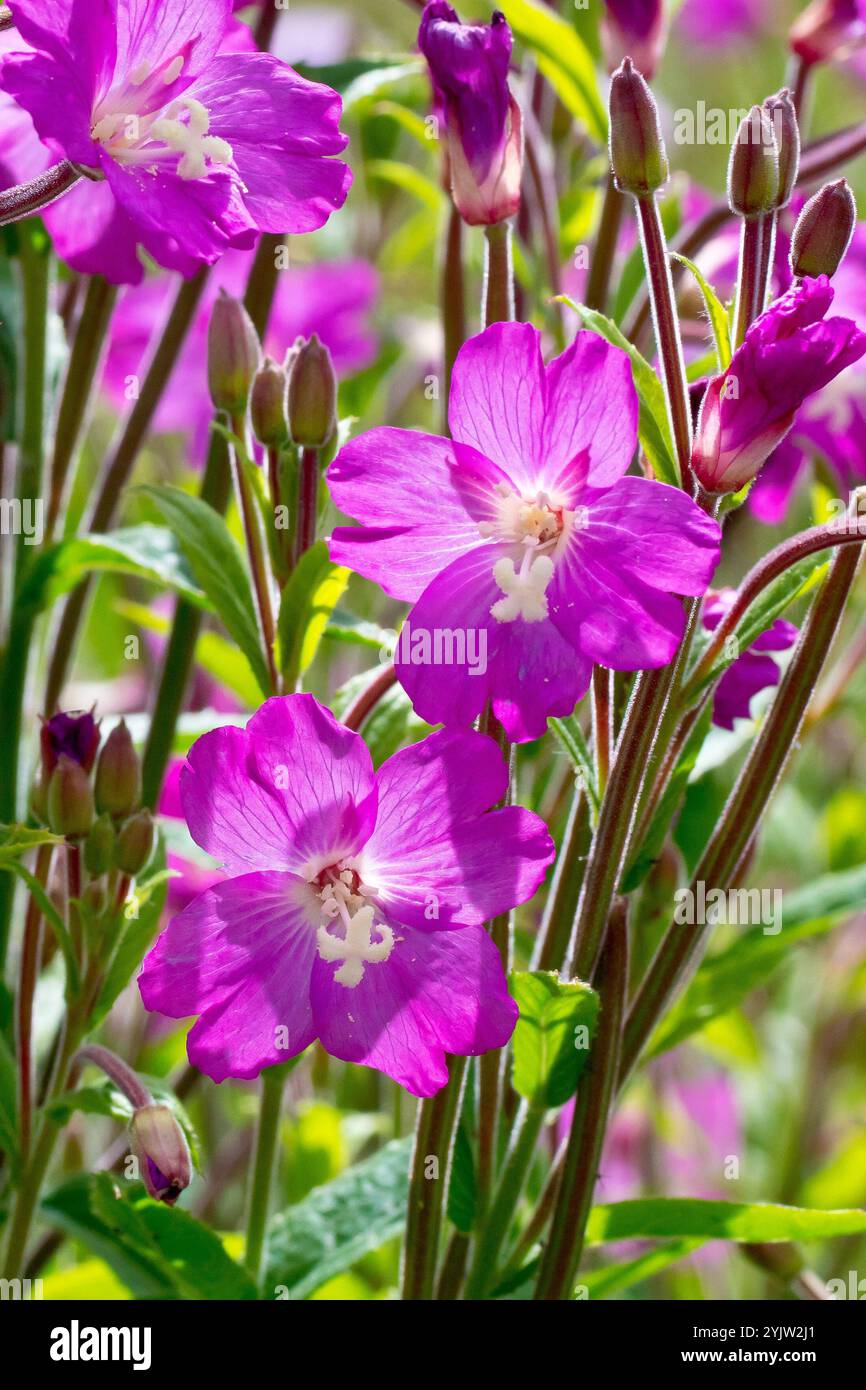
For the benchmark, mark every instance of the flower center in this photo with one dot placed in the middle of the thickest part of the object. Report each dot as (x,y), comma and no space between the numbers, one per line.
(342,895)
(178,131)
(535,524)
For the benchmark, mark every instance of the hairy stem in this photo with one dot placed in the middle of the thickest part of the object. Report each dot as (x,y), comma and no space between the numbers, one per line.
(667,333)
(604,251)
(28,198)
(498,294)
(435,1131)
(267,1134)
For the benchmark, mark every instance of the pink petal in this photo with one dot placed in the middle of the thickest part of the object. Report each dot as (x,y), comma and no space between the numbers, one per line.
(497,401)
(652,532)
(591,407)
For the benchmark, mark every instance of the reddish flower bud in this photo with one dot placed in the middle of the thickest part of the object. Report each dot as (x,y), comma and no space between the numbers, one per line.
(134,844)
(823,231)
(637,150)
(70,799)
(118,774)
(75,734)
(633,29)
(783,117)
(159,1144)
(268,404)
(753,170)
(312,395)
(233,355)
(827,30)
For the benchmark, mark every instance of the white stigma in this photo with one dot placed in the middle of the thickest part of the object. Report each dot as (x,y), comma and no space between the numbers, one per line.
(356,949)
(190,139)
(524,588)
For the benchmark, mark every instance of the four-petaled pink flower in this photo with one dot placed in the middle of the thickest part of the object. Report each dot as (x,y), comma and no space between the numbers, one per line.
(356,914)
(196,146)
(525,551)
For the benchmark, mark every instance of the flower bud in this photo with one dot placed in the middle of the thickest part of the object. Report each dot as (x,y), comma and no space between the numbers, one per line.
(99,847)
(637,151)
(312,395)
(70,799)
(783,116)
(134,844)
(753,170)
(233,355)
(76,734)
(268,404)
(633,28)
(118,774)
(95,897)
(828,30)
(823,231)
(159,1144)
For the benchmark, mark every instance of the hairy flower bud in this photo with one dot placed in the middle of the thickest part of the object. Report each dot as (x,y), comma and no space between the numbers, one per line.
(637,151)
(633,29)
(233,354)
(268,404)
(823,231)
(159,1144)
(118,774)
(783,116)
(312,395)
(134,844)
(753,170)
(70,799)
(828,30)
(99,846)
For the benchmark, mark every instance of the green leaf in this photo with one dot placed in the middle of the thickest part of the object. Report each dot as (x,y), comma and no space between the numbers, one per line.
(658,1218)
(601,1283)
(16,840)
(462,1187)
(571,736)
(653,427)
(52,916)
(409,179)
(309,599)
(564,60)
(718,314)
(145,552)
(724,980)
(136,933)
(158,1251)
(549,1052)
(218,567)
(91,1100)
(391,725)
(332,1228)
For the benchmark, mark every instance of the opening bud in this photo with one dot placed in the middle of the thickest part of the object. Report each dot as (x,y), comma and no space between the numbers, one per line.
(823,231)
(159,1144)
(637,150)
(70,799)
(753,170)
(233,355)
(268,404)
(118,774)
(312,395)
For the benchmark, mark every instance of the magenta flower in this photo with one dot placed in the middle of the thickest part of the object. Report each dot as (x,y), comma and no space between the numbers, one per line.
(633,29)
(789,352)
(525,551)
(829,30)
(356,914)
(753,670)
(196,146)
(469,71)
(332,300)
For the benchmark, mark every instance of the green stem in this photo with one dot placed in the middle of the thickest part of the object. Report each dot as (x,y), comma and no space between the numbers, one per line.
(758,778)
(453,301)
(267,1134)
(497,1223)
(28,972)
(601,724)
(498,294)
(308,502)
(604,251)
(561,907)
(667,332)
(256,555)
(561,1259)
(81,376)
(435,1132)
(749,276)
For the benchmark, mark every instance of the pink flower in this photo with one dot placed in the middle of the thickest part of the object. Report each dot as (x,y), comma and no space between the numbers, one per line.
(356,914)
(525,551)
(789,352)
(330,299)
(197,143)
(753,670)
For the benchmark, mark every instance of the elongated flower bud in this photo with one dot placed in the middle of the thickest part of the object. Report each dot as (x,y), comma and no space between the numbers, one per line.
(268,404)
(118,774)
(159,1144)
(753,171)
(99,846)
(783,117)
(637,151)
(134,844)
(312,395)
(70,799)
(824,230)
(233,355)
